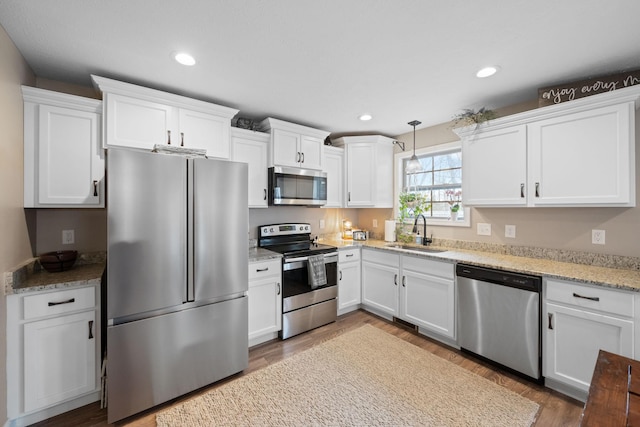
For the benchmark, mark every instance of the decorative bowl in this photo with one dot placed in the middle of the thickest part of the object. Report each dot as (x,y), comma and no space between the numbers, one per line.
(57,261)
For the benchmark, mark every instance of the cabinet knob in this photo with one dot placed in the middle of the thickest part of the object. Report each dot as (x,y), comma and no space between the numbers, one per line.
(95,188)
(168,137)
(181,139)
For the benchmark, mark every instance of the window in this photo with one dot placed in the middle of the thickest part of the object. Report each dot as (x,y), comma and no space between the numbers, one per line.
(439,183)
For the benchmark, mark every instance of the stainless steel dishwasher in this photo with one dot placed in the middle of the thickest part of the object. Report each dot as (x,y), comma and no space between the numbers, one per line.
(499,318)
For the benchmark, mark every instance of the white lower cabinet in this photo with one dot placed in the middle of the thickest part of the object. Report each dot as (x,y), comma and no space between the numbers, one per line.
(265,300)
(53,353)
(578,321)
(418,290)
(349,283)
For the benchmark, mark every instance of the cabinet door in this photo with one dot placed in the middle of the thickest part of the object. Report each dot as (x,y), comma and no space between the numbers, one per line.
(573,339)
(70,159)
(360,175)
(428,301)
(494,168)
(334,167)
(265,307)
(380,287)
(311,149)
(59,359)
(286,148)
(136,123)
(348,285)
(585,158)
(254,153)
(207,131)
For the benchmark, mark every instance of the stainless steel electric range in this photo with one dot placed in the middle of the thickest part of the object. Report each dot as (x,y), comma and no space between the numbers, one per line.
(305,305)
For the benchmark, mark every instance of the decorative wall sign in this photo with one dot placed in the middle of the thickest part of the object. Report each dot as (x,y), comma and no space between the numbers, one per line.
(580,89)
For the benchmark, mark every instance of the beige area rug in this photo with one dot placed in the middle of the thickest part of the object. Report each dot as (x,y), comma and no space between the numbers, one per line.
(365,377)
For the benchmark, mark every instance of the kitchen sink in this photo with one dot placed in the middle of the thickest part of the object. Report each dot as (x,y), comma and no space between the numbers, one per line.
(416,248)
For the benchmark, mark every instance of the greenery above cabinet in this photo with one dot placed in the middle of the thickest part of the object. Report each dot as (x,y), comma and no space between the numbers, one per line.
(578,153)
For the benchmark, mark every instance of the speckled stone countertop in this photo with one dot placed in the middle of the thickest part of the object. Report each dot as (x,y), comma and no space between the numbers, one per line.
(261,254)
(580,269)
(30,277)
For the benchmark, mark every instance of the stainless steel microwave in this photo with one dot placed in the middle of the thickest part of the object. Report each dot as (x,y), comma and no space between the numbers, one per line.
(297,187)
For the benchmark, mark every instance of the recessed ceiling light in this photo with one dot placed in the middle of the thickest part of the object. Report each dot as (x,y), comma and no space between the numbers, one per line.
(365,117)
(487,71)
(185,59)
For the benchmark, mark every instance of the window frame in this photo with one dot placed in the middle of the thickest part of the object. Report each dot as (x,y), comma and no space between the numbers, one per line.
(399,182)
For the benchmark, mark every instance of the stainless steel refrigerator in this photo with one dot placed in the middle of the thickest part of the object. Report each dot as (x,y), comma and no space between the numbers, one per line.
(177,276)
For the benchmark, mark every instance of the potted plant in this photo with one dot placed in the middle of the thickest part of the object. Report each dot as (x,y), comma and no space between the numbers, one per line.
(453,198)
(410,206)
(470,117)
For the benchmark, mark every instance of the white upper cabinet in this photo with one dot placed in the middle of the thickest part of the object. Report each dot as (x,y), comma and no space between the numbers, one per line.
(251,147)
(334,167)
(294,145)
(63,157)
(578,153)
(369,170)
(139,117)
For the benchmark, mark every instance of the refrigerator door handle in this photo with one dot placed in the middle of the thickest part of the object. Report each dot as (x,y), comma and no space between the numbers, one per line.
(191,292)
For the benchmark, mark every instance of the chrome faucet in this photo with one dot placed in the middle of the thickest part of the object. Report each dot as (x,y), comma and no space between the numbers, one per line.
(425,240)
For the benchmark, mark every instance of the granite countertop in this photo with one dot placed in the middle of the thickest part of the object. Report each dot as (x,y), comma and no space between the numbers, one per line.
(30,277)
(261,254)
(621,278)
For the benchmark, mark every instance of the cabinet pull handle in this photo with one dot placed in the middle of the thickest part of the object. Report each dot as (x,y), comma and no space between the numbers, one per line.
(168,137)
(260,270)
(181,139)
(69,301)
(584,297)
(404,281)
(349,198)
(265,194)
(298,157)
(537,189)
(95,188)
(302,158)
(90,329)
(278,288)
(340,275)
(550,320)
(349,255)
(522,190)
(395,279)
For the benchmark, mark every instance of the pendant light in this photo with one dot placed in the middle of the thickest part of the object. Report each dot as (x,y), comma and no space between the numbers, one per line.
(413,165)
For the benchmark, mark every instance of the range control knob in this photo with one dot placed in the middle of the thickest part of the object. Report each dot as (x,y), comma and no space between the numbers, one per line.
(301,228)
(271,229)
(264,230)
(306,227)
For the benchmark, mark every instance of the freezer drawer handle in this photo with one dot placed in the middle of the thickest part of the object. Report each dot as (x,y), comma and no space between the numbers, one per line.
(95,188)
(550,319)
(69,301)
(90,329)
(261,270)
(584,297)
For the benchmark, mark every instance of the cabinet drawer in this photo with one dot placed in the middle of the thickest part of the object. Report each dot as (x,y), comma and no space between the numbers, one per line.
(262,269)
(381,257)
(428,266)
(58,302)
(348,255)
(619,303)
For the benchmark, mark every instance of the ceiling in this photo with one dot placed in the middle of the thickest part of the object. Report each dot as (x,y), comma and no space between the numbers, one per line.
(324,63)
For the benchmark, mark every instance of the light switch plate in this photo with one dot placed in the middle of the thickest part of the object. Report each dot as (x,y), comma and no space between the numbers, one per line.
(322,223)
(375,223)
(484,229)
(510,231)
(68,237)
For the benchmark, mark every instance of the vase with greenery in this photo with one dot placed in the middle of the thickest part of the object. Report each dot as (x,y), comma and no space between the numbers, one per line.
(410,206)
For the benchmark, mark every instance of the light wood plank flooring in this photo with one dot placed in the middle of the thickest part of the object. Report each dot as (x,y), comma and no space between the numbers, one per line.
(555,409)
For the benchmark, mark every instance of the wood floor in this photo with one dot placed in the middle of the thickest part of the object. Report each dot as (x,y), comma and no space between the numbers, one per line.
(555,409)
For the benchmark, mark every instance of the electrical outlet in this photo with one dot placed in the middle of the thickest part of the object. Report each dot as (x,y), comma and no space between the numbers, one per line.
(597,237)
(322,223)
(510,231)
(375,223)
(68,237)
(484,229)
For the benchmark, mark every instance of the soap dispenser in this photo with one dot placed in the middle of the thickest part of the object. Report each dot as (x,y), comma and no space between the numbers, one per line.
(418,238)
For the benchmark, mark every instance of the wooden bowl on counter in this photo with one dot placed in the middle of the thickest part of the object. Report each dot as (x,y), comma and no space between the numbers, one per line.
(58,261)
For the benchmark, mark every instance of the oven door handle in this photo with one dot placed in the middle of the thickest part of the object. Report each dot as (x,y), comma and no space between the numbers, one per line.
(327,258)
